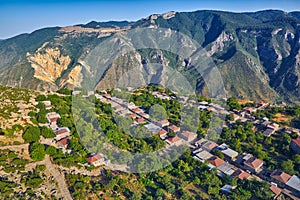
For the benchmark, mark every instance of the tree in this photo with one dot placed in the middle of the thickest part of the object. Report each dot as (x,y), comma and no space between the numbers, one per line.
(47,132)
(233,104)
(288,166)
(41,116)
(37,151)
(41,98)
(51,150)
(32,134)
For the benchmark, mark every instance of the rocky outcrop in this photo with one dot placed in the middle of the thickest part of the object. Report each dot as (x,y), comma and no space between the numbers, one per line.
(73,78)
(219,43)
(48,64)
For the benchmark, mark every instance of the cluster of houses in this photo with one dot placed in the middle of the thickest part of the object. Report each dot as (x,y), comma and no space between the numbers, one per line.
(241,166)
(61,139)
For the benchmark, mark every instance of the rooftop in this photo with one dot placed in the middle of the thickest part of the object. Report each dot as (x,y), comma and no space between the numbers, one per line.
(297,141)
(216,161)
(254,162)
(280,176)
(294,182)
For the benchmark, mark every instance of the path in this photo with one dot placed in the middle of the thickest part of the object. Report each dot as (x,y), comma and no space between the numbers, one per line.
(60,179)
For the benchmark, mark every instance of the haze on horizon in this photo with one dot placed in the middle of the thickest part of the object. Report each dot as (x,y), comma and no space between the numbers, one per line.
(18,16)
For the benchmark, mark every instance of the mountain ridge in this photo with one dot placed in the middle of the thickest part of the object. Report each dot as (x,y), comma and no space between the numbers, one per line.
(263,45)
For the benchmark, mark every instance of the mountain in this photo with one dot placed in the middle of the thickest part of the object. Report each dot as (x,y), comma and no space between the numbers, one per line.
(257,53)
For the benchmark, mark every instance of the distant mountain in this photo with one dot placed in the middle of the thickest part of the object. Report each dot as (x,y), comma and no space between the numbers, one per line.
(257,53)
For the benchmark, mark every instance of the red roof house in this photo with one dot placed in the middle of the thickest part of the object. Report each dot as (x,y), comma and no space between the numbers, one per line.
(216,161)
(280,176)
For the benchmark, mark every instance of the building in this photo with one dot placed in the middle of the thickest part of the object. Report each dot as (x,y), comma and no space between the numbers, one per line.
(133,116)
(47,104)
(253,164)
(228,153)
(209,145)
(138,110)
(52,117)
(62,133)
(140,120)
(250,109)
(26,118)
(294,182)
(152,127)
(275,190)
(131,106)
(240,174)
(226,169)
(96,160)
(216,161)
(295,145)
(280,176)
(163,123)
(63,143)
(174,140)
(118,108)
(162,133)
(268,132)
(188,136)
(203,155)
(174,128)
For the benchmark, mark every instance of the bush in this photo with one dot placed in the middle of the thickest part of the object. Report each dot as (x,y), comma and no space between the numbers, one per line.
(32,134)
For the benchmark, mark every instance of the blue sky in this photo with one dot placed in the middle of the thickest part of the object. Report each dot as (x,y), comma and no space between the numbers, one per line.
(18,16)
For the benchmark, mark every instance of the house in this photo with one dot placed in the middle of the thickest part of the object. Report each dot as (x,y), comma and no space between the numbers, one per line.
(63,143)
(227,188)
(108,96)
(162,133)
(140,120)
(250,109)
(123,112)
(52,117)
(275,190)
(225,169)
(203,155)
(273,126)
(25,118)
(209,145)
(118,108)
(211,109)
(188,136)
(163,123)
(235,117)
(253,164)
(131,106)
(138,110)
(174,128)
(295,145)
(216,161)
(62,133)
(96,160)
(133,116)
(294,182)
(145,115)
(174,140)
(280,176)
(47,104)
(268,132)
(228,153)
(152,127)
(240,174)
(76,92)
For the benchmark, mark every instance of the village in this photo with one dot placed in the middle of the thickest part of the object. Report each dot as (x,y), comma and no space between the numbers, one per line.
(234,164)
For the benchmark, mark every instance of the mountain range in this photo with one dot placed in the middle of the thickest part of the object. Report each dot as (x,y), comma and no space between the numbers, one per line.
(257,53)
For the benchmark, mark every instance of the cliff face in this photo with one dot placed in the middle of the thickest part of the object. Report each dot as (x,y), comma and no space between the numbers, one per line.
(257,54)
(48,64)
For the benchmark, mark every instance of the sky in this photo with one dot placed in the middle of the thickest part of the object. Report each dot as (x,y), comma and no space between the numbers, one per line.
(17,16)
